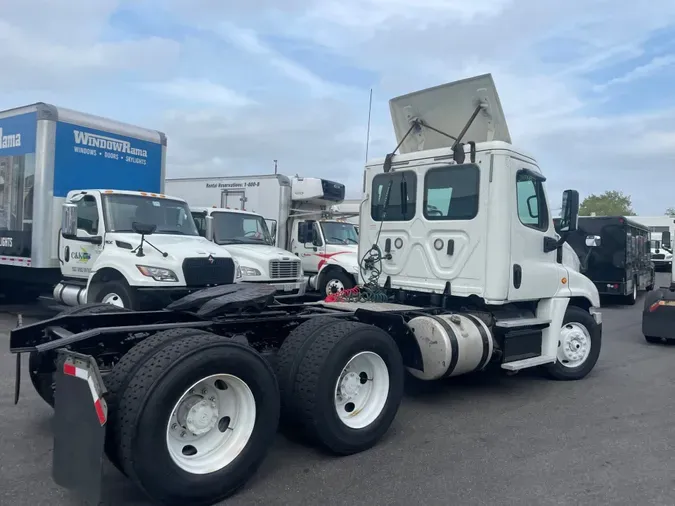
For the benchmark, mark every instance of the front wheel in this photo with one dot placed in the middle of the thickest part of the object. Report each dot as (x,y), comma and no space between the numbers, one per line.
(579,344)
(335,281)
(116,293)
(196,420)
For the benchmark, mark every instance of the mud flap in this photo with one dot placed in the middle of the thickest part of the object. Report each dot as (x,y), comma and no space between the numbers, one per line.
(80,416)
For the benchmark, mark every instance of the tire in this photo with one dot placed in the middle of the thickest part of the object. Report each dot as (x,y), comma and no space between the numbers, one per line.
(43,382)
(289,358)
(116,292)
(116,382)
(312,400)
(334,278)
(576,317)
(151,393)
(631,299)
(653,340)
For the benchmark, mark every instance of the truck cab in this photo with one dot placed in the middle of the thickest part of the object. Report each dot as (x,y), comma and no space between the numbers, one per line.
(246,236)
(460,218)
(133,250)
(661,251)
(328,249)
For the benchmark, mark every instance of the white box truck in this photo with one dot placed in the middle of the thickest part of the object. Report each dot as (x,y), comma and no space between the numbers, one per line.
(108,177)
(298,210)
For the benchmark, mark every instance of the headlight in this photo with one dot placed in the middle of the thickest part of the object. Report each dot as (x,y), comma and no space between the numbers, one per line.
(157,273)
(237,269)
(249,271)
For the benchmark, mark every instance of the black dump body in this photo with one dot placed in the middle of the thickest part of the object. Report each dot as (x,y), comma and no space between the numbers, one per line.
(623,255)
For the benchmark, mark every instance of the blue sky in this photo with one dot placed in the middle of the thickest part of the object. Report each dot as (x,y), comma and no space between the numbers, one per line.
(585,85)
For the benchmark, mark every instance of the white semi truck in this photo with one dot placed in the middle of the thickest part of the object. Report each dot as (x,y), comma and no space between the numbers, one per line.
(73,221)
(298,210)
(464,271)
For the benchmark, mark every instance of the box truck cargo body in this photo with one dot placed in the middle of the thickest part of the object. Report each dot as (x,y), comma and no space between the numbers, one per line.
(45,152)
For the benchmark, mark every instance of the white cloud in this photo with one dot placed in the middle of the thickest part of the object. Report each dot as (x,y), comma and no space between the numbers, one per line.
(238,84)
(199,91)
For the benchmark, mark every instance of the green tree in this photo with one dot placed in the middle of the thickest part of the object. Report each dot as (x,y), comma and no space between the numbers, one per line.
(610,203)
(670,212)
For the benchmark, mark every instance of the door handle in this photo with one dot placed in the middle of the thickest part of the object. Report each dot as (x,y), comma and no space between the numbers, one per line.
(517,275)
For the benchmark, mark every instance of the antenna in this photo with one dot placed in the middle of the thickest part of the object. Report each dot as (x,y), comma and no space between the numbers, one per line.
(275,166)
(370,108)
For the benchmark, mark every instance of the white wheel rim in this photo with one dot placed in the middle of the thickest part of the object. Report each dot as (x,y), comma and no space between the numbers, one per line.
(574,345)
(211,424)
(113,299)
(334,284)
(362,390)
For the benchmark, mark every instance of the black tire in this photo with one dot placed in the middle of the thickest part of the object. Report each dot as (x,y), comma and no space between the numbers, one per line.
(122,292)
(41,365)
(289,358)
(632,298)
(116,382)
(653,340)
(311,401)
(558,371)
(335,274)
(149,398)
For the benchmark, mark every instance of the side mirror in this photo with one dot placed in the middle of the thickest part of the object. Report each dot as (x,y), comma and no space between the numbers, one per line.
(69,220)
(534,213)
(273,232)
(208,233)
(665,239)
(143,228)
(593,241)
(315,236)
(569,214)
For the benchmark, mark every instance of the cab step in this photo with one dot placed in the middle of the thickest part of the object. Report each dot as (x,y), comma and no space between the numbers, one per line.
(527,363)
(514,323)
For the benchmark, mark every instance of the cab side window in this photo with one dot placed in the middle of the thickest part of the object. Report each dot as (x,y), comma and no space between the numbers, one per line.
(87,215)
(200,223)
(532,209)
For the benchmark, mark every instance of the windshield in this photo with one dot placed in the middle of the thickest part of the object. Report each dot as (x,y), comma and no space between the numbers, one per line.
(240,228)
(339,232)
(170,216)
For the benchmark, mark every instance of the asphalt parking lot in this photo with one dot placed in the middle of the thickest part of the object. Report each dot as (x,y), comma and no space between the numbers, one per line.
(478,440)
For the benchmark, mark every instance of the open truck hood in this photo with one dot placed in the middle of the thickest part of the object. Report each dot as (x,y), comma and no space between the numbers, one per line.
(449,108)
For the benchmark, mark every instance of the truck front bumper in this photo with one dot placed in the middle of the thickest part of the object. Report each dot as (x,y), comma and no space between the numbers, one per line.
(285,289)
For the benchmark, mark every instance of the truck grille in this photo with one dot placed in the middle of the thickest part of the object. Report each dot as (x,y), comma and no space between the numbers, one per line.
(284,269)
(659,256)
(203,272)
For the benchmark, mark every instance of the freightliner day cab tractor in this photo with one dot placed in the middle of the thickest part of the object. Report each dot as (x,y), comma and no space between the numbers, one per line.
(463,271)
(299,209)
(246,236)
(658,314)
(103,251)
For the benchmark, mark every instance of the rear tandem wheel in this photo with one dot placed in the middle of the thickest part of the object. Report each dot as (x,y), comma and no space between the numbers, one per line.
(194,416)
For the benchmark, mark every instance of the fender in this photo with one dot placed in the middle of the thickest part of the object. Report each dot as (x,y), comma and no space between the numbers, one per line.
(346,262)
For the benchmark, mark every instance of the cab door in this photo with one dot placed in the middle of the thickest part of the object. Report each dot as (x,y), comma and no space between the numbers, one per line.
(78,254)
(534,273)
